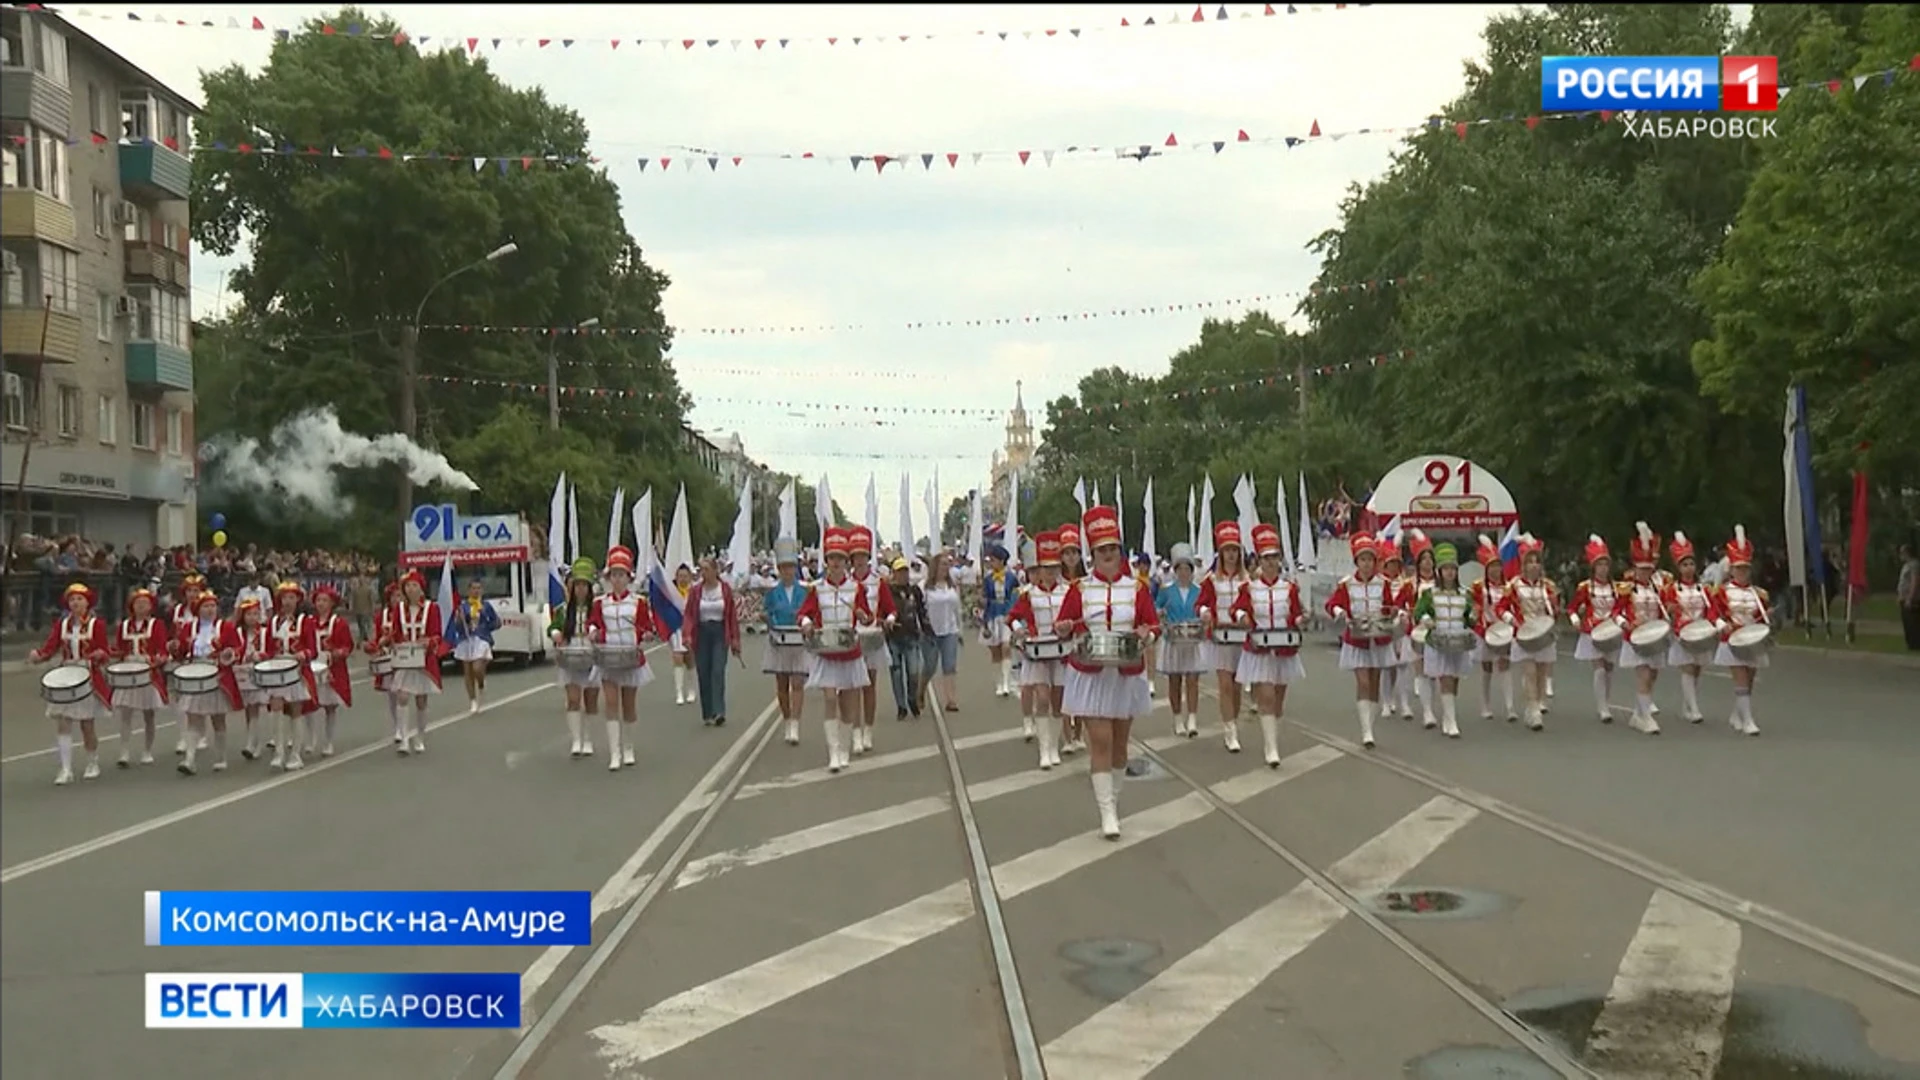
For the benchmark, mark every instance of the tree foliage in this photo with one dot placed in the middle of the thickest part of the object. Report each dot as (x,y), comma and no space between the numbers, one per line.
(343,254)
(1607,323)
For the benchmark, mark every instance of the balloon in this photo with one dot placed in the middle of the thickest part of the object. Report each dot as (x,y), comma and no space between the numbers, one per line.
(219,521)
(220,538)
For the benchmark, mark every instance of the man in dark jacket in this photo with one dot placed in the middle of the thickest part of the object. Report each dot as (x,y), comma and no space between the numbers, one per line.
(911,629)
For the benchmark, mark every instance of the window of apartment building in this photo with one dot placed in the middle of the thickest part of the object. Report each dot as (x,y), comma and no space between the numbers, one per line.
(22,400)
(141,413)
(40,273)
(15,279)
(35,159)
(103,316)
(176,432)
(159,315)
(98,119)
(144,117)
(139,220)
(102,213)
(108,420)
(66,409)
(42,518)
(27,42)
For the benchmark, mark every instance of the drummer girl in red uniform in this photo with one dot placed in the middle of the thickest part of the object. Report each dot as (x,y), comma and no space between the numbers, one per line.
(1042,682)
(293,637)
(416,621)
(1489,593)
(1218,591)
(1687,602)
(377,644)
(206,639)
(78,639)
(1534,596)
(1739,603)
(1270,601)
(256,644)
(1643,604)
(141,639)
(1361,598)
(332,639)
(837,602)
(1599,599)
(1425,572)
(192,587)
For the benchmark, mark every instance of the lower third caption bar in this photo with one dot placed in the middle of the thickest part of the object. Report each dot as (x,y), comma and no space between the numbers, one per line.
(333,1000)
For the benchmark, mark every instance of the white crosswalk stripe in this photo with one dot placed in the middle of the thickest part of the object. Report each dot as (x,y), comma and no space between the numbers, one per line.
(1677,979)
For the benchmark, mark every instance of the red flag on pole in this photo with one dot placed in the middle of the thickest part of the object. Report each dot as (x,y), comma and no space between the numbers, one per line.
(1857,538)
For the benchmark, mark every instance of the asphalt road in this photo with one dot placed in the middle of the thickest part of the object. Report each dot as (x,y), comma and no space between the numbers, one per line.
(822,926)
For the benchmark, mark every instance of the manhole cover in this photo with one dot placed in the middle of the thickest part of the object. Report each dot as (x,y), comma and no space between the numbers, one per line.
(1423,902)
(1479,1063)
(1109,969)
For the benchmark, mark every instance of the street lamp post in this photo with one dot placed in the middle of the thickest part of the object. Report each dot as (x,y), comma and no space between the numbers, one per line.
(410,364)
(553,374)
(1299,372)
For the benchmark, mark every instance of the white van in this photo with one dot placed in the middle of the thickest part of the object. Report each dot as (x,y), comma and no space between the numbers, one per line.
(496,549)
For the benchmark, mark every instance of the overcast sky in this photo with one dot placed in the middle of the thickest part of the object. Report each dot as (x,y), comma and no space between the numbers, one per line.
(814,243)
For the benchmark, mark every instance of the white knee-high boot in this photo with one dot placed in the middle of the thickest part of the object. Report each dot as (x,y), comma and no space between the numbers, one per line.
(125,716)
(418,731)
(613,745)
(1690,696)
(1486,694)
(1270,739)
(1449,716)
(1231,730)
(679,685)
(1600,695)
(1366,709)
(1048,733)
(793,733)
(1506,692)
(1105,802)
(849,733)
(575,722)
(1423,688)
(393,717)
(1006,677)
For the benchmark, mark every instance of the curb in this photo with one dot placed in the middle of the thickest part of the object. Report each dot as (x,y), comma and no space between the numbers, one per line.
(1892,659)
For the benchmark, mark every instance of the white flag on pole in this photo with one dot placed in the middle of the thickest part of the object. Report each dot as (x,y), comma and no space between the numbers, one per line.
(1309,558)
(790,511)
(823,509)
(906,517)
(645,555)
(1148,541)
(1080,496)
(617,522)
(1203,548)
(932,500)
(1247,512)
(1287,564)
(873,517)
(1010,530)
(558,558)
(679,536)
(740,549)
(573,521)
(976,531)
(1120,509)
(1193,523)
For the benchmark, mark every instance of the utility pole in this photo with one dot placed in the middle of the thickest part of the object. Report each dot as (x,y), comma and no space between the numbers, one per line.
(409,415)
(553,372)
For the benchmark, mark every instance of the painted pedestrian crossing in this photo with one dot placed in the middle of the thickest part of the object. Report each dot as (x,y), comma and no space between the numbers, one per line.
(1189,1012)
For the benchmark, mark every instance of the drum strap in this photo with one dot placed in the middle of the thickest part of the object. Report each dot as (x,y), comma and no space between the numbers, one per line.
(135,635)
(413,623)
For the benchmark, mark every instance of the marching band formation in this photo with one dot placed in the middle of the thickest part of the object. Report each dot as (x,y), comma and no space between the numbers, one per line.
(1077,643)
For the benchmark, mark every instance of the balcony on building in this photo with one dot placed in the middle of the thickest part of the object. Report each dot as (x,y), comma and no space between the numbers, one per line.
(156,132)
(40,308)
(156,251)
(158,323)
(34,85)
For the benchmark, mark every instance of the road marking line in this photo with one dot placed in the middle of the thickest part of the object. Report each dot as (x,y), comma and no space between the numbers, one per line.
(138,729)
(628,882)
(1138,1033)
(866,765)
(187,813)
(708,867)
(696,1013)
(1665,1017)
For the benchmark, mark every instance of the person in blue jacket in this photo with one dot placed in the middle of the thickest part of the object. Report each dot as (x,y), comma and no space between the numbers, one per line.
(1182,660)
(999,587)
(470,632)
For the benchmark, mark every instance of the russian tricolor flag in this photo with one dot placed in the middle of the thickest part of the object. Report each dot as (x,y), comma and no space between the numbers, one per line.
(1510,551)
(669,607)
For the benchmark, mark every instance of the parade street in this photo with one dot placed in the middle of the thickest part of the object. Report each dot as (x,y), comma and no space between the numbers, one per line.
(1586,900)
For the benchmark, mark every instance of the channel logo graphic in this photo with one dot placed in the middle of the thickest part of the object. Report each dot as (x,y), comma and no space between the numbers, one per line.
(1659,84)
(332,1000)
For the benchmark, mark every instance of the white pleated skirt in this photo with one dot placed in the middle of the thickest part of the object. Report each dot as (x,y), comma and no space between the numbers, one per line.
(1356,657)
(1584,650)
(877,654)
(1105,695)
(1445,665)
(328,698)
(1043,673)
(88,708)
(585,680)
(210,703)
(1221,657)
(786,660)
(1258,669)
(1544,654)
(631,679)
(471,649)
(1723,657)
(140,700)
(838,674)
(1630,658)
(292,695)
(411,682)
(1678,656)
(995,632)
(1184,658)
(250,697)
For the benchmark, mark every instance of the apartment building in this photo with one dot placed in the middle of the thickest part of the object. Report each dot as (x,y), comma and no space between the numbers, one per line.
(95,324)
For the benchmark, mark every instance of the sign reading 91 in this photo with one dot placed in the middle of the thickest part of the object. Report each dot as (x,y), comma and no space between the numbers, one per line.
(445,527)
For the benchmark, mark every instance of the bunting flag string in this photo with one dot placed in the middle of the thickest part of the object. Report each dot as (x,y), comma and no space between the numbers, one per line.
(614,393)
(1253,300)
(1200,393)
(473,43)
(692,158)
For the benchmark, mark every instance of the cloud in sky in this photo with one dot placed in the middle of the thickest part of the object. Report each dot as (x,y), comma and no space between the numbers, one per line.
(791,243)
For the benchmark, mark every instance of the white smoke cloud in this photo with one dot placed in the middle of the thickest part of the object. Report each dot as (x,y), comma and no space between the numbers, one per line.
(301,461)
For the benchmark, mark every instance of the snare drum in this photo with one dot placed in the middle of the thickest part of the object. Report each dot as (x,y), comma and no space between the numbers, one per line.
(1045,648)
(321,667)
(1276,639)
(1536,633)
(381,663)
(1420,637)
(576,657)
(1499,635)
(613,658)
(1650,639)
(1751,642)
(1452,642)
(1699,638)
(1607,637)
(129,675)
(1106,648)
(409,656)
(196,678)
(68,684)
(277,673)
(1229,635)
(1185,633)
(829,640)
(786,636)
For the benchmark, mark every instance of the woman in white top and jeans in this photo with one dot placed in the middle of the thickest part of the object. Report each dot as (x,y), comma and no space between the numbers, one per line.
(943,613)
